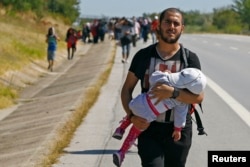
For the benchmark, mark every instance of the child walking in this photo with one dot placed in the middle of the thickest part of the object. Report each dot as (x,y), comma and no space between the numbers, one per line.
(51,39)
(71,39)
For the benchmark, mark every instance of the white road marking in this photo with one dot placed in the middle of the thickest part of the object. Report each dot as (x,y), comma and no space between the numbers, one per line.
(233,48)
(242,112)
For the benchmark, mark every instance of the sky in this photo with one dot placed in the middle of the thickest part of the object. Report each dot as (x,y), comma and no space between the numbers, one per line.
(129,8)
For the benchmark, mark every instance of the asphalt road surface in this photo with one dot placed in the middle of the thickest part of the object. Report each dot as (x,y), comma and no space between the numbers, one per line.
(26,128)
(226,117)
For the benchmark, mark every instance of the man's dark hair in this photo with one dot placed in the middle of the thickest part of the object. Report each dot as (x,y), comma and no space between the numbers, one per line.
(174,10)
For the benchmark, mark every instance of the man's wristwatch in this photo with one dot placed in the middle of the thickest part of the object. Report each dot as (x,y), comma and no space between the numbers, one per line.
(176,93)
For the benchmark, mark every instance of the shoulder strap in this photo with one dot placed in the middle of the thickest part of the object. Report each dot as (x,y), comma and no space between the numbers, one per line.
(147,53)
(198,121)
(200,128)
(185,55)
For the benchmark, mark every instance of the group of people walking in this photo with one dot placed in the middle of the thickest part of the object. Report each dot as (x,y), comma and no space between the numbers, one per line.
(164,126)
(90,33)
(127,31)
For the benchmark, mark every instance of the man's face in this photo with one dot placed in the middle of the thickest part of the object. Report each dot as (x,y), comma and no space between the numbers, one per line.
(171,27)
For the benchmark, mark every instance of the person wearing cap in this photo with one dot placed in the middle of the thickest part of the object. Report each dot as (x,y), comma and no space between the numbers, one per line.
(156,146)
(143,106)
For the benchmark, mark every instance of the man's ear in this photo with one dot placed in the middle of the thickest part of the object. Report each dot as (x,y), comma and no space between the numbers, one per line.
(183,27)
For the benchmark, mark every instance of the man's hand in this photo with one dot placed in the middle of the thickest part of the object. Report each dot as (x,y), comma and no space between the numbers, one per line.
(140,123)
(161,91)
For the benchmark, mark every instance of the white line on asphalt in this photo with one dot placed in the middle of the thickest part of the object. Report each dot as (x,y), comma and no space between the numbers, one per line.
(233,48)
(242,112)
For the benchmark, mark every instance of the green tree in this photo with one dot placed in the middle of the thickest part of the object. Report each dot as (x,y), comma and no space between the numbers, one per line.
(69,9)
(196,21)
(225,19)
(242,7)
(194,18)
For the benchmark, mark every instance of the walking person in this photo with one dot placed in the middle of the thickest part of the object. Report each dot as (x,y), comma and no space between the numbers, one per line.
(117,29)
(153,28)
(143,106)
(71,39)
(135,31)
(156,147)
(51,39)
(110,26)
(145,28)
(126,30)
(95,31)
(86,33)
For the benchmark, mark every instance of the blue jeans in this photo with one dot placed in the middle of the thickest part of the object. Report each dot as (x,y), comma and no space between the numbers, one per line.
(126,49)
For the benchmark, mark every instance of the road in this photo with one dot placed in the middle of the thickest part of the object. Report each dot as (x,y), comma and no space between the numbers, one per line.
(226,117)
(224,60)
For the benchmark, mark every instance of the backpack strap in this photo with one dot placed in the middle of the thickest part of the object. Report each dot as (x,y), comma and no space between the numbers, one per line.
(185,55)
(200,128)
(198,121)
(147,52)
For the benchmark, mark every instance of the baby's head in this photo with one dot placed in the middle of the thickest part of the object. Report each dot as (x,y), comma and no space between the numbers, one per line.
(190,78)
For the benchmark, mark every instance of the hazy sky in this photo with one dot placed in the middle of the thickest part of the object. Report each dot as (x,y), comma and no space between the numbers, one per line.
(130,8)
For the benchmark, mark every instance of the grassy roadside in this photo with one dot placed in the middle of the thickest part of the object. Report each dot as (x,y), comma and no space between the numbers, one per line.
(22,40)
(25,42)
(65,132)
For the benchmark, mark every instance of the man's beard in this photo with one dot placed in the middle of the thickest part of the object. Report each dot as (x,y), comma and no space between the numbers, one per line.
(169,40)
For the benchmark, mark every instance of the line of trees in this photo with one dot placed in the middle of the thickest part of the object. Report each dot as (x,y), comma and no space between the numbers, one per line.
(69,9)
(231,19)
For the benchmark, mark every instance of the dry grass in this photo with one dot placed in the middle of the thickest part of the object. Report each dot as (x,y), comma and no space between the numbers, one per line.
(8,94)
(66,132)
(22,41)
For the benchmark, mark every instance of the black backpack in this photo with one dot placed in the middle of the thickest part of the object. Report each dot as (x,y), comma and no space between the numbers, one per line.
(193,110)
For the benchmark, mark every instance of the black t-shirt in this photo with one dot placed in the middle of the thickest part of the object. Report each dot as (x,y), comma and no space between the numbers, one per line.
(147,60)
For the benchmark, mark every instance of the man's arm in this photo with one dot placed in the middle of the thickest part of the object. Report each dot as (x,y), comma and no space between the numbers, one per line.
(126,97)
(127,91)
(187,97)
(163,91)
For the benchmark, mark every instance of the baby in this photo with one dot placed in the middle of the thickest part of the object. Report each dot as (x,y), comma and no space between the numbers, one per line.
(144,106)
